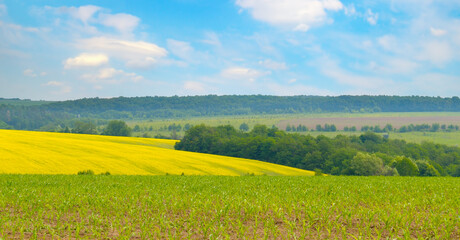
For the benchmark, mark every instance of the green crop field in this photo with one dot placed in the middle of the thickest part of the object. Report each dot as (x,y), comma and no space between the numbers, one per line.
(217,207)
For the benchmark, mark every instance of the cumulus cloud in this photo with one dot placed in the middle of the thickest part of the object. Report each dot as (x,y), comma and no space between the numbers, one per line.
(270,64)
(134,53)
(298,15)
(437,32)
(241,73)
(122,22)
(86,60)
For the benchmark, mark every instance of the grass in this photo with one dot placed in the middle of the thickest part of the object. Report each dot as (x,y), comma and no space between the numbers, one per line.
(219,207)
(25,152)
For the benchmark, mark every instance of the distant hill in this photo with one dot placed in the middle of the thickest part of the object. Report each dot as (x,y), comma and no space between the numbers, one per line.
(22,102)
(32,116)
(26,152)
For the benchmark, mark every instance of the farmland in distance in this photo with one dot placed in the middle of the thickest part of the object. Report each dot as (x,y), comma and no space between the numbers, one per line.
(160,127)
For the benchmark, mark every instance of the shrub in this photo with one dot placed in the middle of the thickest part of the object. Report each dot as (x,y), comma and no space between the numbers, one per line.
(318,172)
(86,172)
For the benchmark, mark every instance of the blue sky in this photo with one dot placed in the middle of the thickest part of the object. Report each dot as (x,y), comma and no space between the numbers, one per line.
(57,50)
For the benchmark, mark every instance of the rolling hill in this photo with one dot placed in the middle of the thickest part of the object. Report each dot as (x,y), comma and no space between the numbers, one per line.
(27,152)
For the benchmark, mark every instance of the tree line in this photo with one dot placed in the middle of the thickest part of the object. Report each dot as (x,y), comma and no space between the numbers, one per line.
(27,115)
(366,154)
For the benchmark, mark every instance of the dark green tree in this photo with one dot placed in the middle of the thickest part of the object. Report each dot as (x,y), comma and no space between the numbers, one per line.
(117,128)
(405,166)
(365,164)
(244,127)
(84,127)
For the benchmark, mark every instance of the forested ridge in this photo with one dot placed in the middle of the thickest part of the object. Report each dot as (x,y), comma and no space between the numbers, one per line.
(27,115)
(366,154)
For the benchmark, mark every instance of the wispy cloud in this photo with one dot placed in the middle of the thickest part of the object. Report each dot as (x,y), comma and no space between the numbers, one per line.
(111,76)
(29,73)
(123,22)
(273,65)
(3,10)
(437,32)
(86,60)
(134,53)
(371,17)
(241,73)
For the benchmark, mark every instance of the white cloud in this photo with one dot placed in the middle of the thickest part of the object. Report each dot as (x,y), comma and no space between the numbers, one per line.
(436,84)
(111,76)
(29,73)
(390,66)
(388,42)
(61,87)
(270,64)
(297,89)
(181,49)
(350,10)
(437,32)
(135,54)
(16,27)
(83,13)
(211,38)
(90,14)
(3,10)
(195,87)
(241,73)
(371,17)
(436,52)
(54,83)
(364,83)
(86,60)
(298,15)
(123,22)
(301,27)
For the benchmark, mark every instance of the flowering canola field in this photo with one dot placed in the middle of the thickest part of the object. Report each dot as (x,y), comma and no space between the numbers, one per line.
(26,152)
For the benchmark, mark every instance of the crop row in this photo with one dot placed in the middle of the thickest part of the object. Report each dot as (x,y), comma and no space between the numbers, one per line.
(197,207)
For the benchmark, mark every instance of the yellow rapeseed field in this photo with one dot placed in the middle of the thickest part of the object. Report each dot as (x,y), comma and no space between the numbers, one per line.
(26,152)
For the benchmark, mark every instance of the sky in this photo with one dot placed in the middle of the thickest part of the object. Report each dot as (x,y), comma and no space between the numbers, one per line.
(59,50)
